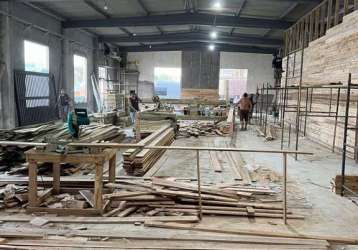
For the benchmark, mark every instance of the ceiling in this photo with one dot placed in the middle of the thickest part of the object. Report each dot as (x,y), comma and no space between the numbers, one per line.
(145,25)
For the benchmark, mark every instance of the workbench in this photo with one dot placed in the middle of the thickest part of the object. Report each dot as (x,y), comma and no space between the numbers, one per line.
(33,157)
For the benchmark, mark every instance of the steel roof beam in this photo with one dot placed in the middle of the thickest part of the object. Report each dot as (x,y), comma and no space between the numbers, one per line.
(180,19)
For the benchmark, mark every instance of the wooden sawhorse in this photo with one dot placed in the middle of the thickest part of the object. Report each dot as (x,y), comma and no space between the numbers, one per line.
(34,156)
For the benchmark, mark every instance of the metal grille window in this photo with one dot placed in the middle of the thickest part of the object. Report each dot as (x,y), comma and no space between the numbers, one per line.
(35,97)
(37,91)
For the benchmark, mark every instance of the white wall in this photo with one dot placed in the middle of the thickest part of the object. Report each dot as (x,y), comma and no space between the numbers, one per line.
(149,60)
(258,65)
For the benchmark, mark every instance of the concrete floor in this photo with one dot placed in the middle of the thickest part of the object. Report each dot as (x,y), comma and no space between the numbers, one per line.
(308,188)
(308,183)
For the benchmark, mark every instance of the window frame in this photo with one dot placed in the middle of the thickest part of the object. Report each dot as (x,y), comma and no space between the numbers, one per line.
(80,55)
(47,52)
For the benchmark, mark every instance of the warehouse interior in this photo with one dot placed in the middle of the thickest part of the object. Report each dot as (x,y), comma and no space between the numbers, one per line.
(181,124)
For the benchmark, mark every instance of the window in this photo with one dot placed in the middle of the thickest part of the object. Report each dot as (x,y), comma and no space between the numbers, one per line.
(36,57)
(233,83)
(80,79)
(167,82)
(37,91)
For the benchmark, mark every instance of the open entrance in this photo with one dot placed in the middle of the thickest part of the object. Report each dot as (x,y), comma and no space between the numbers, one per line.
(232,83)
(167,82)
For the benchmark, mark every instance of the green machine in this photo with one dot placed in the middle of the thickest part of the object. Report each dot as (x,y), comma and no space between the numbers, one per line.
(75,119)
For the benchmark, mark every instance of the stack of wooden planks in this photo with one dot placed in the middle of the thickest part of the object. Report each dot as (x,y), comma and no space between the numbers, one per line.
(197,128)
(350,181)
(13,156)
(138,161)
(160,196)
(174,237)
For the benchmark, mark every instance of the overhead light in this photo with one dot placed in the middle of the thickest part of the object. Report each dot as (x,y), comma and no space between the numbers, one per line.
(211,47)
(105,7)
(217,6)
(150,46)
(213,35)
(134,34)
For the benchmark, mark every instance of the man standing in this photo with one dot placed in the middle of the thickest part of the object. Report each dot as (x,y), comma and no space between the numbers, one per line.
(64,101)
(245,106)
(133,105)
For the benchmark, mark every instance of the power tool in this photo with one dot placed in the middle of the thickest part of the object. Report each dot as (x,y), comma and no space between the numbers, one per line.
(75,119)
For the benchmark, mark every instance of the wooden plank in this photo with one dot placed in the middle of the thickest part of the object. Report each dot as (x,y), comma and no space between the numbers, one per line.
(194,195)
(194,187)
(145,244)
(329,14)
(333,239)
(33,201)
(123,194)
(88,195)
(98,185)
(346,6)
(101,220)
(63,211)
(56,172)
(215,161)
(336,12)
(112,169)
(115,211)
(127,211)
(134,236)
(323,9)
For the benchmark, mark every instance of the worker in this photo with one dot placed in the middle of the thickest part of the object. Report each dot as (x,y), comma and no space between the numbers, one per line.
(245,106)
(64,101)
(277,67)
(133,105)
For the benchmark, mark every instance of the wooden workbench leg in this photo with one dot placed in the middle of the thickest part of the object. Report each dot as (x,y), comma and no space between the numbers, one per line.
(56,172)
(33,202)
(112,171)
(98,187)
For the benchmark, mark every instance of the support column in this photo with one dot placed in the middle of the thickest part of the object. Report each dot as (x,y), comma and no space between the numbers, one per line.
(7,97)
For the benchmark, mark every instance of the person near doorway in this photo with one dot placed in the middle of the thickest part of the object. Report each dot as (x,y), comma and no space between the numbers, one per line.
(245,107)
(133,105)
(64,101)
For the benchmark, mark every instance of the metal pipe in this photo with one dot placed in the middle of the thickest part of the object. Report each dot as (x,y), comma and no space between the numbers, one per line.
(284,103)
(306,106)
(299,99)
(142,146)
(199,183)
(289,135)
(266,110)
(356,136)
(344,151)
(285,188)
(336,120)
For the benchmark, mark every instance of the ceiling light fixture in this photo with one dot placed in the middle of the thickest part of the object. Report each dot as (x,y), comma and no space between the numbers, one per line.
(134,34)
(211,47)
(217,6)
(105,7)
(213,35)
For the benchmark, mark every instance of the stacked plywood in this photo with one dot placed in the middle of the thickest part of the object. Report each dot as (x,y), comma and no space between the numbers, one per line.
(350,181)
(139,161)
(207,94)
(331,57)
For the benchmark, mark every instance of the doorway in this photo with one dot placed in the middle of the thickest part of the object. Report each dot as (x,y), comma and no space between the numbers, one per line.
(232,83)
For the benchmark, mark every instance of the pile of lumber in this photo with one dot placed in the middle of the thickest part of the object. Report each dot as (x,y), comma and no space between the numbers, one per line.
(350,181)
(13,156)
(160,196)
(138,161)
(196,128)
